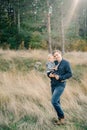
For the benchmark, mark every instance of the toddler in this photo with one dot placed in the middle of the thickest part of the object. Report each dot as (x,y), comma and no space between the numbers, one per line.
(50,65)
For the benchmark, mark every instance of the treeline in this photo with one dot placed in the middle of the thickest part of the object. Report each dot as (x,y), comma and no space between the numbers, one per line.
(24,24)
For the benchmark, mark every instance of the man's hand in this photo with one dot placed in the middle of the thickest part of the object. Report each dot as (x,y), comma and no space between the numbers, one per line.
(56,77)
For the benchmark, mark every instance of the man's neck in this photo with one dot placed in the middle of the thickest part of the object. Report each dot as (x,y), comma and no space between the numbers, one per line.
(60,60)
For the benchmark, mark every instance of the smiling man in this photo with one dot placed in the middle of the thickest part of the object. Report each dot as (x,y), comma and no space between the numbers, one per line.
(58,83)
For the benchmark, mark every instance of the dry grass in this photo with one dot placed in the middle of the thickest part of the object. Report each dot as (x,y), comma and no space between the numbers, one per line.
(25,97)
(37,54)
(77,57)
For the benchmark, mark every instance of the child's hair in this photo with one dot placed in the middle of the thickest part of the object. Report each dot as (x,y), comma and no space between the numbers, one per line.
(49,55)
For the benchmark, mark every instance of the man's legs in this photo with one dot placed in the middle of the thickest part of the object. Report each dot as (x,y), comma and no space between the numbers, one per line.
(56,101)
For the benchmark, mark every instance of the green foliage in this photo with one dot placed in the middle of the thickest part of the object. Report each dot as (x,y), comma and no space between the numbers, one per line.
(81,45)
(44,44)
(4,127)
(5,46)
(13,43)
(78,45)
(19,64)
(22,64)
(71,32)
(8,35)
(29,119)
(21,19)
(35,40)
(4,65)
(78,71)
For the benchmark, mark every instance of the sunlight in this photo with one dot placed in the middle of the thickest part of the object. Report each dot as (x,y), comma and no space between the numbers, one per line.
(71,13)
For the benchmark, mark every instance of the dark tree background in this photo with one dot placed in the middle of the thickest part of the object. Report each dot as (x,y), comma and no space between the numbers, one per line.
(24,23)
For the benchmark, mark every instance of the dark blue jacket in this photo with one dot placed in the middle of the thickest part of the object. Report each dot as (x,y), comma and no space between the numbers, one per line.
(64,71)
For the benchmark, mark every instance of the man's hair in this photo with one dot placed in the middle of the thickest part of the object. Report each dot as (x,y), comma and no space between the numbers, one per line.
(56,51)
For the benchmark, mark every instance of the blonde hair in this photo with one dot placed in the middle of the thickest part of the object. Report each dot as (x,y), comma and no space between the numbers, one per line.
(49,55)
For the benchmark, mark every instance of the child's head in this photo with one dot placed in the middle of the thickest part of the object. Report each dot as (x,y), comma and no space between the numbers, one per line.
(50,58)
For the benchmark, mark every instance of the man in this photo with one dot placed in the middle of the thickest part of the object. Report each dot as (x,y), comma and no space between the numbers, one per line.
(58,83)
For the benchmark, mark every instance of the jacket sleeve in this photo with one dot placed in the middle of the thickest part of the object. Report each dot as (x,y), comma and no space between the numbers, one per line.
(67,72)
(48,74)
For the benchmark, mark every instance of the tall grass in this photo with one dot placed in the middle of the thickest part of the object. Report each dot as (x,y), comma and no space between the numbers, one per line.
(25,93)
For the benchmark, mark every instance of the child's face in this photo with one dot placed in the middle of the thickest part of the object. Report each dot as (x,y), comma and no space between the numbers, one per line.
(51,58)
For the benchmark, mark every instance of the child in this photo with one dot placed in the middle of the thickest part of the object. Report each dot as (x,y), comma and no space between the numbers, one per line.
(50,65)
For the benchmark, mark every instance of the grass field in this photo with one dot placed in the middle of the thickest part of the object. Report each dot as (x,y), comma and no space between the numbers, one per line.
(25,92)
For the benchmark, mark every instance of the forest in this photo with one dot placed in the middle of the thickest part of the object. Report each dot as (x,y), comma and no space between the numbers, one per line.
(48,24)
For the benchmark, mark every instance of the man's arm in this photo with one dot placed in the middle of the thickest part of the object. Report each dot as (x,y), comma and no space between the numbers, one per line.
(50,75)
(68,72)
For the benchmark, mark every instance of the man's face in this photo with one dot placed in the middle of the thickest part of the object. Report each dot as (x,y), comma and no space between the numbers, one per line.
(57,56)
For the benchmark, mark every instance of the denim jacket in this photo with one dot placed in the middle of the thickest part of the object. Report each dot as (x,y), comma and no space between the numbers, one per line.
(64,71)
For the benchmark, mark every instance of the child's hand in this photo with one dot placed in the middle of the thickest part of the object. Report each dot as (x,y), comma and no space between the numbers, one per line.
(56,77)
(55,68)
(51,75)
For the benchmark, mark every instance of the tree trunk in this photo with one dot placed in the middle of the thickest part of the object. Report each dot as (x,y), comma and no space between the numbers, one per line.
(62,30)
(49,28)
(18,17)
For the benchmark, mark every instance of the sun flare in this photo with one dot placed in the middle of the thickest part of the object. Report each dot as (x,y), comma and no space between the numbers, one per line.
(71,12)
